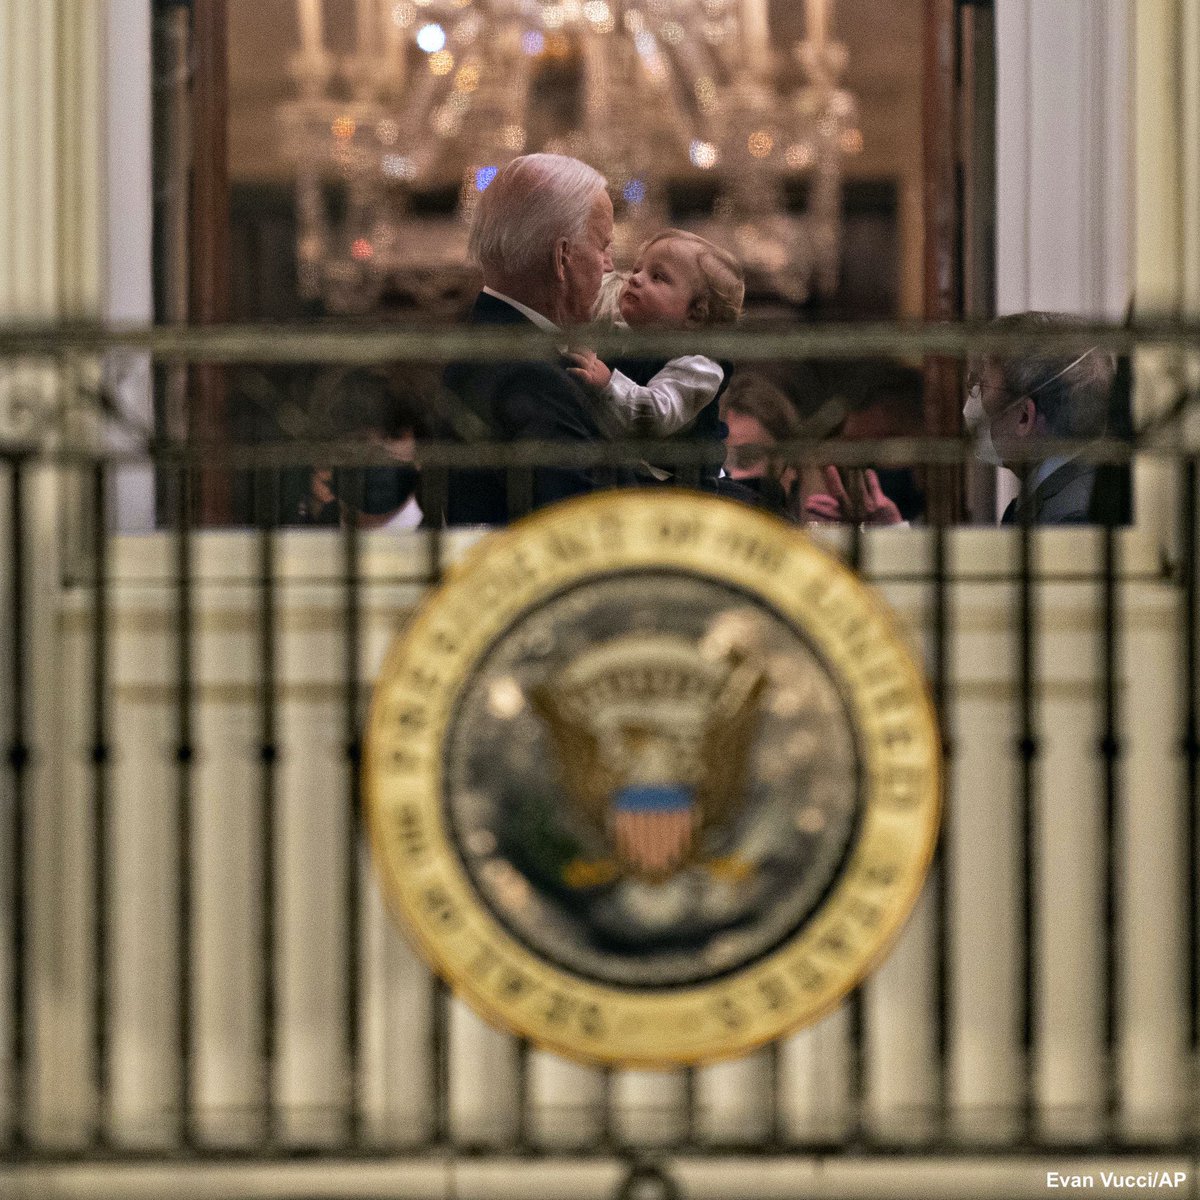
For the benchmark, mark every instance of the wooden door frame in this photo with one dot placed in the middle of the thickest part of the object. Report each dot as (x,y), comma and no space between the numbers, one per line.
(210,239)
(941,125)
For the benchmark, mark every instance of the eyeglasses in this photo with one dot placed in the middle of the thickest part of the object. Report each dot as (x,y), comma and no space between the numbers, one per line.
(976,381)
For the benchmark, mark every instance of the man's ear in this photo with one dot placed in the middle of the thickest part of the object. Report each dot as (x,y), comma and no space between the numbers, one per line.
(562,258)
(1027,417)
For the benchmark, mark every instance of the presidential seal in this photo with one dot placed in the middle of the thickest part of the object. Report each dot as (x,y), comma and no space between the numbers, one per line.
(652,779)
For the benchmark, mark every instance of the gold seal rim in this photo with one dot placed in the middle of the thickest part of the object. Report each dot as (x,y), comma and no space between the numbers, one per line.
(436,905)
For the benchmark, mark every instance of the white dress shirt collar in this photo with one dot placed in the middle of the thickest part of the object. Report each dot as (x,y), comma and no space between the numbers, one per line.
(1048,466)
(540,321)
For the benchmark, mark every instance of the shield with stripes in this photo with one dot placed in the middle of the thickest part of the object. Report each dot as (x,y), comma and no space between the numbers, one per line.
(652,826)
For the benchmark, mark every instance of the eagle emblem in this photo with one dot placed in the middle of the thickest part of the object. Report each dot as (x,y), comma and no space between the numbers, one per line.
(652,741)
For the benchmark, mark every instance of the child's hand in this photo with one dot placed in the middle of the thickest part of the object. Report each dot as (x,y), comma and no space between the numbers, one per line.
(587,368)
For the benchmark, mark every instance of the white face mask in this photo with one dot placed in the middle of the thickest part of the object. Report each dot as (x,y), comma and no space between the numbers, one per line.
(980,428)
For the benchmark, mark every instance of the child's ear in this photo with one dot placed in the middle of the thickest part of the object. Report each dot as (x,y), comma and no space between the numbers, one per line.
(698,311)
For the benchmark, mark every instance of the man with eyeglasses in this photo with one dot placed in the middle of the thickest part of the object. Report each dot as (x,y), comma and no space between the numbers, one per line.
(1034,413)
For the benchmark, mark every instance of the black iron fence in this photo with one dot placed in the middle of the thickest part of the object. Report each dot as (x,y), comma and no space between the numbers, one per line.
(1045,651)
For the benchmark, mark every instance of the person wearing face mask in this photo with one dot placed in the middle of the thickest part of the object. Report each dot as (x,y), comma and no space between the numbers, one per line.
(366,405)
(1019,403)
(757,413)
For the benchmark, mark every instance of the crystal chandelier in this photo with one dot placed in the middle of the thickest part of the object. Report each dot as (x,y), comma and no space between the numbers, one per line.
(393,143)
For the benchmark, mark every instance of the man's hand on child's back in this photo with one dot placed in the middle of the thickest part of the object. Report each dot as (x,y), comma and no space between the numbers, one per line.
(587,368)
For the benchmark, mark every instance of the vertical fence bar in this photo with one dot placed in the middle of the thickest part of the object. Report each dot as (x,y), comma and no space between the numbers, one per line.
(775,1113)
(1027,748)
(854,551)
(434,493)
(185,753)
(608,1132)
(18,761)
(351,554)
(436,543)
(521,1131)
(101,759)
(1191,745)
(691,1122)
(1110,751)
(855,1001)
(439,1063)
(518,483)
(942,866)
(266,497)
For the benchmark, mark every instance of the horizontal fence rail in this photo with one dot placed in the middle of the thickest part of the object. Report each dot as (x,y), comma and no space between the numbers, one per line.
(197,967)
(372,344)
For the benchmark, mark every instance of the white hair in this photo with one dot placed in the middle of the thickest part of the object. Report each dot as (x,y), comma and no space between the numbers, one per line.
(531,203)
(608,302)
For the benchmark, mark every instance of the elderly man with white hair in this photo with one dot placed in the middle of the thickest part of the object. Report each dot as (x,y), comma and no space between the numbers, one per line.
(542,235)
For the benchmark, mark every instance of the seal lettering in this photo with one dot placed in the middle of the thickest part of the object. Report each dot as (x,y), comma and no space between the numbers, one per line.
(651,778)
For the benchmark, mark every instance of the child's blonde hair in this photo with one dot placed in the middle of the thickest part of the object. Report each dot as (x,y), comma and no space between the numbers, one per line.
(724,291)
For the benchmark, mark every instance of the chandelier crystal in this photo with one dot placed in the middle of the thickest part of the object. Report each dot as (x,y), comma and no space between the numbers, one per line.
(394,143)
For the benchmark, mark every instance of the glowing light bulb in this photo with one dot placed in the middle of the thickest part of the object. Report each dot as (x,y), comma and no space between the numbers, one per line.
(512,137)
(399,166)
(799,156)
(597,13)
(467,79)
(760,143)
(703,155)
(431,38)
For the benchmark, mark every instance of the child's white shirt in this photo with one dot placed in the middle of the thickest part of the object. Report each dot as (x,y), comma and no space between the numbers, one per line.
(672,399)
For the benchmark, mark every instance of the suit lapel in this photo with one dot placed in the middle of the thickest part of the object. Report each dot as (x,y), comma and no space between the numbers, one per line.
(489,310)
(1054,483)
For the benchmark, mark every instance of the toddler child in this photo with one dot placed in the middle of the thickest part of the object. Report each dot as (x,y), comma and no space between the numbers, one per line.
(680,280)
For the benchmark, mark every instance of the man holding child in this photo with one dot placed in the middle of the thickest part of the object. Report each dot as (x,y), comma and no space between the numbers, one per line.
(542,235)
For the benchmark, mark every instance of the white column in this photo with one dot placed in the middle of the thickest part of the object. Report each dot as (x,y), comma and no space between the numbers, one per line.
(1152,1047)
(129,286)
(51,197)
(1063,201)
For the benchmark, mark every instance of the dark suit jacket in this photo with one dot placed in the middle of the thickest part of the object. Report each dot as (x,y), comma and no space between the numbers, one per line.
(517,401)
(1065,497)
